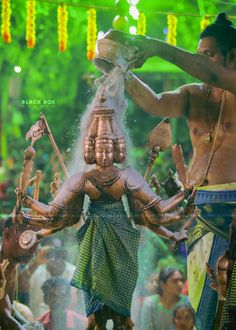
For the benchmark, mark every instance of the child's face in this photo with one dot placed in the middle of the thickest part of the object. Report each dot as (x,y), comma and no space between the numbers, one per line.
(183,320)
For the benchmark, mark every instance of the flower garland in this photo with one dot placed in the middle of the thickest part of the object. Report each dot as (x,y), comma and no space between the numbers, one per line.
(62,19)
(6,21)
(91,33)
(142,24)
(172,27)
(205,22)
(30,24)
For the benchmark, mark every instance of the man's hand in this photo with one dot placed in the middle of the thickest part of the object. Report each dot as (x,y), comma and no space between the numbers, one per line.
(140,44)
(41,256)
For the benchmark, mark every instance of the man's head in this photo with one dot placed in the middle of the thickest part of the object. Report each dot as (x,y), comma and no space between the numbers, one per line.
(218,41)
(56,261)
(56,291)
(10,245)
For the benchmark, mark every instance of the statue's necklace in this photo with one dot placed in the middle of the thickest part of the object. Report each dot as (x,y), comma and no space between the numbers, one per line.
(104,178)
(210,132)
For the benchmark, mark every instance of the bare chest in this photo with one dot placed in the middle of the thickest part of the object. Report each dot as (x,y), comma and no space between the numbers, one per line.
(214,117)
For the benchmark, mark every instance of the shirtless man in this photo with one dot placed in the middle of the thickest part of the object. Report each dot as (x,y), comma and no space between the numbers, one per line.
(209,108)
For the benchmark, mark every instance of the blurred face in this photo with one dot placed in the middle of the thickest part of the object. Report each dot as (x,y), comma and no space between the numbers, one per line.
(208,47)
(11,247)
(55,263)
(104,152)
(183,319)
(174,284)
(152,284)
(56,297)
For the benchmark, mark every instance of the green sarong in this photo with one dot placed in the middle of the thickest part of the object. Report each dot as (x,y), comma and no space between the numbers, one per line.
(107,265)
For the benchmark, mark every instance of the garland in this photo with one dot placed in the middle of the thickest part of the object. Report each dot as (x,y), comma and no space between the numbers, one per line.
(142,28)
(62,19)
(91,34)
(205,22)
(30,24)
(172,27)
(6,21)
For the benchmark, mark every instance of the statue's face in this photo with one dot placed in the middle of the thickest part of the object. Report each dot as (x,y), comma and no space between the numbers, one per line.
(89,151)
(121,150)
(104,152)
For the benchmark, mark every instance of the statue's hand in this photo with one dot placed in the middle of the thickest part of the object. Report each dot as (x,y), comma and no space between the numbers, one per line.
(19,193)
(180,236)
(212,277)
(219,280)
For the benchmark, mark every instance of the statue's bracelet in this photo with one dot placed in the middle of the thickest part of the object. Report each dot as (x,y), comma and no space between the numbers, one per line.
(25,199)
(187,192)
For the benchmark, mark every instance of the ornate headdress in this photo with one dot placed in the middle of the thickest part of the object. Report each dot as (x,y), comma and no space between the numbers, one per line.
(103,129)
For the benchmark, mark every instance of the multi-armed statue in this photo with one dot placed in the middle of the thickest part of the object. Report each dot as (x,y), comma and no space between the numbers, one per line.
(107,265)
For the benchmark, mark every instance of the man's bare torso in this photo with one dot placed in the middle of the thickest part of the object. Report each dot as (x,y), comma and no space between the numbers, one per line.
(202,117)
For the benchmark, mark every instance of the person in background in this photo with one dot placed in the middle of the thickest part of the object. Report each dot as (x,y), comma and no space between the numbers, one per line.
(157,310)
(49,261)
(184,318)
(57,295)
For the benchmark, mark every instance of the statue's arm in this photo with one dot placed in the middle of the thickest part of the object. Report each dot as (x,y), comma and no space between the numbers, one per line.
(140,190)
(64,210)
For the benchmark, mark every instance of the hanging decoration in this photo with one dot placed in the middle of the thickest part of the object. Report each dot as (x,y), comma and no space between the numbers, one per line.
(172,27)
(30,24)
(62,19)
(205,22)
(121,21)
(91,33)
(6,21)
(142,24)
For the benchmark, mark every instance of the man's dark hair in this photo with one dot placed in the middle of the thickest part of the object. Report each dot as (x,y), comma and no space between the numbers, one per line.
(56,282)
(223,31)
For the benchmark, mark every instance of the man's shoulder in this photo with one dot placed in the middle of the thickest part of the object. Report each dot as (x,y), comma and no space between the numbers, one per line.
(45,318)
(193,88)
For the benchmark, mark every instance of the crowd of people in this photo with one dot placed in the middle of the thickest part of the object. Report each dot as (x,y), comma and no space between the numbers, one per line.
(38,295)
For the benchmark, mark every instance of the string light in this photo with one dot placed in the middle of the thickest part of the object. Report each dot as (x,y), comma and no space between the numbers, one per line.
(133,30)
(6,21)
(133,11)
(142,24)
(205,22)
(30,24)
(62,18)
(172,27)
(91,33)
